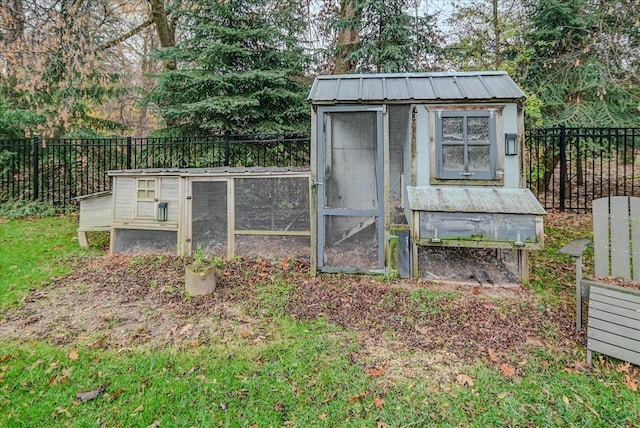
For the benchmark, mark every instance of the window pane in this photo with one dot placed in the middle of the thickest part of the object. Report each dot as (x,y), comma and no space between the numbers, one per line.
(142,194)
(479,158)
(478,129)
(453,157)
(452,129)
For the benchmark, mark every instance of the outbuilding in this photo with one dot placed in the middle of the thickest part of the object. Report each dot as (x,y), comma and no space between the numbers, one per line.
(406,165)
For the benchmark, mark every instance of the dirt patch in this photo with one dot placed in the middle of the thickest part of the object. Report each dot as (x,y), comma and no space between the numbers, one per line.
(413,327)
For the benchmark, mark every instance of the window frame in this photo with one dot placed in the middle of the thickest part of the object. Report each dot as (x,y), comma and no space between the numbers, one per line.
(434,157)
(146,189)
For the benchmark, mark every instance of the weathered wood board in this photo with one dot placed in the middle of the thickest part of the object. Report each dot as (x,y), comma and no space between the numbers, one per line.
(614,322)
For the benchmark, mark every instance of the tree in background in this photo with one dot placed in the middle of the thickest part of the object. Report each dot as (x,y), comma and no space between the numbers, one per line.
(388,36)
(582,59)
(52,70)
(240,67)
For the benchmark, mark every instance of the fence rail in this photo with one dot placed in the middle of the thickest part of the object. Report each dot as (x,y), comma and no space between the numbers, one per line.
(56,171)
(566,168)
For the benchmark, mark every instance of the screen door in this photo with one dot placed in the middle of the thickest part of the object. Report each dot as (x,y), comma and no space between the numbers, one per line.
(349,188)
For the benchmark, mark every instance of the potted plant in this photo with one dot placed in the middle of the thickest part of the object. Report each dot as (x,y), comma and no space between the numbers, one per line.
(200,275)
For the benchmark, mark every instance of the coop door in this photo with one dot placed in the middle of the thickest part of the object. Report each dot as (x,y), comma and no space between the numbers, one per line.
(349,189)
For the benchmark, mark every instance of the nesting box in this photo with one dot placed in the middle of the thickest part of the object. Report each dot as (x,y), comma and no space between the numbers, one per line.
(406,161)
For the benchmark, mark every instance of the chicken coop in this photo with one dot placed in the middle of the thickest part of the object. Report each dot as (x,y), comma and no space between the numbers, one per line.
(256,212)
(411,169)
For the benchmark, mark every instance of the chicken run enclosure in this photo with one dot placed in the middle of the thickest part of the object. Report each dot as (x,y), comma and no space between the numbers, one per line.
(256,212)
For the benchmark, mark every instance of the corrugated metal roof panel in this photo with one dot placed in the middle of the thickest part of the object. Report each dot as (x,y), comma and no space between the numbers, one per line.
(467,86)
(474,200)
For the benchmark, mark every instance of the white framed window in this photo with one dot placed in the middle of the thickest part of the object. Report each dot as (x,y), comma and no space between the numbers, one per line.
(146,189)
(466,145)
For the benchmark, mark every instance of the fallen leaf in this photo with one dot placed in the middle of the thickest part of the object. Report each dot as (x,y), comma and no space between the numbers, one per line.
(91,395)
(565,399)
(374,372)
(508,370)
(6,358)
(115,394)
(592,410)
(73,355)
(476,290)
(382,425)
(623,368)
(137,410)
(356,398)
(631,383)
(464,380)
(493,356)
(254,426)
(545,363)
(503,395)
(185,330)
(532,341)
(378,402)
(323,416)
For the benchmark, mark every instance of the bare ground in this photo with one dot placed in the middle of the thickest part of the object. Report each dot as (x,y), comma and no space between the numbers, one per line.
(118,302)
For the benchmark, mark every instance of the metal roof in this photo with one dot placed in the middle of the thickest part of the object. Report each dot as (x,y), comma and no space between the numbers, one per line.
(474,200)
(430,87)
(211,171)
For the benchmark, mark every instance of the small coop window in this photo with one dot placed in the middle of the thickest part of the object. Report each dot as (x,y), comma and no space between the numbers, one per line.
(466,145)
(146,189)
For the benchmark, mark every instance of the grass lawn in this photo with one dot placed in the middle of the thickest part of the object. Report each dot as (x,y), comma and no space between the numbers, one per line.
(264,367)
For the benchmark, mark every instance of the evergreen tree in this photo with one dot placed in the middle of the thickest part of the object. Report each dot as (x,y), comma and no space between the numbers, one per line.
(240,68)
(392,40)
(568,40)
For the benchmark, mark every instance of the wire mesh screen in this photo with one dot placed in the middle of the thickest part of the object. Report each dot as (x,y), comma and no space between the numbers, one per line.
(136,241)
(398,135)
(475,265)
(279,247)
(351,242)
(275,204)
(350,169)
(209,217)
(263,216)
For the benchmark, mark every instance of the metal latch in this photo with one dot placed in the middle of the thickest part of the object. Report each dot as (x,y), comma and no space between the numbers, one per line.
(467,174)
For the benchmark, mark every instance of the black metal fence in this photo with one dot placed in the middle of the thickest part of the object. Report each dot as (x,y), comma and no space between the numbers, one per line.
(56,171)
(566,168)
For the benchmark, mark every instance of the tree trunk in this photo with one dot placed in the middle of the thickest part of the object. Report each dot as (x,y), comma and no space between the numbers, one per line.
(164,28)
(348,36)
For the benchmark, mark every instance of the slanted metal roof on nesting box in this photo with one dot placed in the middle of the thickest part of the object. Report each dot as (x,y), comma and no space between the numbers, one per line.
(426,87)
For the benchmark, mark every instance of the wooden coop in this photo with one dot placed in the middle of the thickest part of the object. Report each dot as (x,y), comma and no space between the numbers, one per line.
(412,171)
(257,212)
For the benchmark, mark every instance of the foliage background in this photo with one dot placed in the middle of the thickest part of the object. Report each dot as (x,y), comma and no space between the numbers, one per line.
(181,67)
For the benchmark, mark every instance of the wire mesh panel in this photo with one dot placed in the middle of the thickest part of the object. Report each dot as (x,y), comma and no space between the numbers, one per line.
(399,120)
(272,204)
(351,242)
(350,199)
(274,246)
(476,265)
(140,241)
(209,216)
